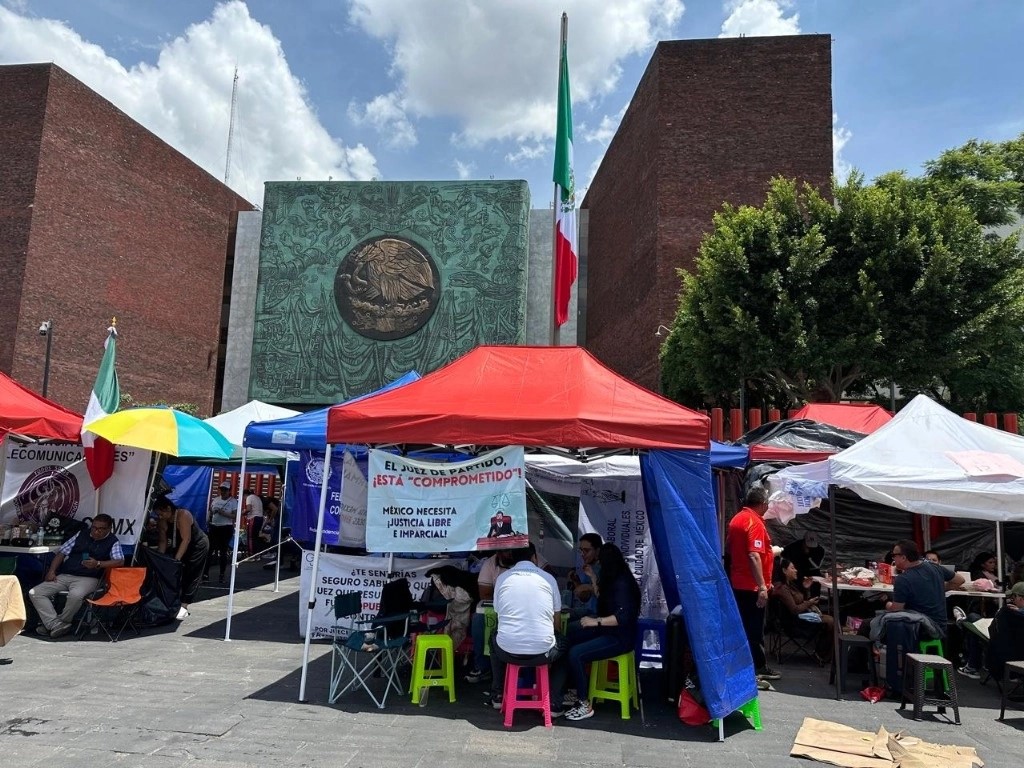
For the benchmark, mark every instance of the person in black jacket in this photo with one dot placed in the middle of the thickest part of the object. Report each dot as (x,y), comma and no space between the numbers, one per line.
(1006,633)
(611,632)
(76,569)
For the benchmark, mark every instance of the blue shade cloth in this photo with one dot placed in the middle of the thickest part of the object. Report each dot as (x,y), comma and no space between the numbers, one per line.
(684,531)
(307,431)
(192,484)
(725,456)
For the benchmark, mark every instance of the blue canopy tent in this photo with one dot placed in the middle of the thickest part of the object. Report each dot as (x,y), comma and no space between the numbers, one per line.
(306,431)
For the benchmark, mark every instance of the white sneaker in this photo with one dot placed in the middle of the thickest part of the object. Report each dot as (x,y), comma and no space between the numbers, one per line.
(183,614)
(959,614)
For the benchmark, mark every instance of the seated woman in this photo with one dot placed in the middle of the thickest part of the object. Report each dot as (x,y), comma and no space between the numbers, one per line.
(795,602)
(610,633)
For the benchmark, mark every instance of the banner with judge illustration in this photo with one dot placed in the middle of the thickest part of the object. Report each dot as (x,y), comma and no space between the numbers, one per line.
(427,506)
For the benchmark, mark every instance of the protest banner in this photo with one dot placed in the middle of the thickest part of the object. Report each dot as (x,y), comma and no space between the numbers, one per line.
(345,515)
(426,506)
(44,481)
(615,508)
(337,574)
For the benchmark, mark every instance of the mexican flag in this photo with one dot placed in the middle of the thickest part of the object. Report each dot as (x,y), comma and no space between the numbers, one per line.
(565,198)
(104,400)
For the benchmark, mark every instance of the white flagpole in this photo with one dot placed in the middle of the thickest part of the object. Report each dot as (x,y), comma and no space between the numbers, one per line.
(280,527)
(555,330)
(234,554)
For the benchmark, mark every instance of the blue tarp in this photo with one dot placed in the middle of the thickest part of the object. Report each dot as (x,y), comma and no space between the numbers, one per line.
(307,431)
(725,456)
(191,484)
(684,531)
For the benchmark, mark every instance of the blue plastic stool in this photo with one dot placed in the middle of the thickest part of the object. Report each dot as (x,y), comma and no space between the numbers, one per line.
(643,626)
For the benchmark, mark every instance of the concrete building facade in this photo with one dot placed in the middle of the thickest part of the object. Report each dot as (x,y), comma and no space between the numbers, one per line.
(100,218)
(712,121)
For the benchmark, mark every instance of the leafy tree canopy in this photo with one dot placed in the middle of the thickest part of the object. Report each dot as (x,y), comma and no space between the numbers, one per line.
(805,299)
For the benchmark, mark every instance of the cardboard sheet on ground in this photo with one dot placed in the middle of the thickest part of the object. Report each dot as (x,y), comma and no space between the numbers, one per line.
(839,744)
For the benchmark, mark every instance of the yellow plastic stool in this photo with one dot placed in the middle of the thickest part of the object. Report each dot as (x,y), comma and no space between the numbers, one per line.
(933,647)
(624,690)
(431,678)
(752,711)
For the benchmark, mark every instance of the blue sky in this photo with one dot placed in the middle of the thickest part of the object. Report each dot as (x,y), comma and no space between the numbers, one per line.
(417,89)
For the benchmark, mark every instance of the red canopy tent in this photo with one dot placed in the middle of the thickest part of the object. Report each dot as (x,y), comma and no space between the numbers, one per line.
(25,413)
(857,417)
(531,396)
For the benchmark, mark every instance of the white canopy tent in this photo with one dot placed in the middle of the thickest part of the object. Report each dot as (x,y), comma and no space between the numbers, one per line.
(929,461)
(232,425)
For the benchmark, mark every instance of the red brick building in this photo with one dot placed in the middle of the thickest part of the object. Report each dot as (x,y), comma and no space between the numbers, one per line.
(100,218)
(711,122)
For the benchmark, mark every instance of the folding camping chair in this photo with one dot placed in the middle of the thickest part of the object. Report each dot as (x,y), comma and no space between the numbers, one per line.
(786,631)
(362,653)
(115,610)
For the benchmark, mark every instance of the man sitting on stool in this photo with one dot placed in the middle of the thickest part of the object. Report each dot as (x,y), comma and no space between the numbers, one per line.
(529,607)
(76,569)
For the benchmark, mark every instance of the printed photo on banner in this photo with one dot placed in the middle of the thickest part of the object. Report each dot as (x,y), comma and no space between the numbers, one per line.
(345,513)
(48,485)
(338,574)
(427,506)
(615,509)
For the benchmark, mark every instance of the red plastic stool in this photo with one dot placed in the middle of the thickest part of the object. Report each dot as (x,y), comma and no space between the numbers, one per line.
(537,696)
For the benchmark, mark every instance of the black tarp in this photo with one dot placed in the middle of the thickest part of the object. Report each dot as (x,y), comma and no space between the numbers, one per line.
(801,435)
(161,592)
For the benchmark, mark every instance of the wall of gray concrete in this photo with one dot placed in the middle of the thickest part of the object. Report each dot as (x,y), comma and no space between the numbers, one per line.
(238,356)
(539,299)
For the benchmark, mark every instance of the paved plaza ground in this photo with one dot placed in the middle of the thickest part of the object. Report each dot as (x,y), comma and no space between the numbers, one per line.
(181,695)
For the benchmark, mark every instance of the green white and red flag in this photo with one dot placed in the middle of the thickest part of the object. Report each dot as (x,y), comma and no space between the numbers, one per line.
(566,249)
(104,400)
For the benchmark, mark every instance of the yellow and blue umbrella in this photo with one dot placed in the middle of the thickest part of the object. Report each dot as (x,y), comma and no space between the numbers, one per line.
(164,430)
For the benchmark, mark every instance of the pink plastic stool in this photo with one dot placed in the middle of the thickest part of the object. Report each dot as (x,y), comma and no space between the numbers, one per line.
(536,697)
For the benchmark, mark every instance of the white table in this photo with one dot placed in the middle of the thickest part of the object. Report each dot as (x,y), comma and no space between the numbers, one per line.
(6,549)
(826,585)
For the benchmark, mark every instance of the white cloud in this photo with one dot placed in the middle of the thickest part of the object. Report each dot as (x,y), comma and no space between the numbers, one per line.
(185,97)
(526,152)
(840,136)
(493,67)
(465,170)
(387,114)
(759,18)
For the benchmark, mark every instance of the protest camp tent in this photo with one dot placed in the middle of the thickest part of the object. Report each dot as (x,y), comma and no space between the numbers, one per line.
(564,397)
(232,425)
(815,432)
(927,461)
(24,413)
(856,417)
(303,431)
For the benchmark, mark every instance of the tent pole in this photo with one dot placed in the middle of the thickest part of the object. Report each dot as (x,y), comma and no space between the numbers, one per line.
(926,532)
(311,603)
(999,555)
(234,553)
(154,460)
(280,528)
(836,624)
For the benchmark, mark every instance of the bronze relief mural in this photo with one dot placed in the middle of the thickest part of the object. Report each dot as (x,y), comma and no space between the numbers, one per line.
(360,282)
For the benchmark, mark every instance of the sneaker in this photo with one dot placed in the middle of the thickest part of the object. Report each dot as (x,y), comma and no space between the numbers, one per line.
(478,675)
(60,630)
(580,712)
(495,701)
(557,710)
(959,614)
(570,699)
(763,685)
(41,630)
(767,673)
(968,671)
(182,614)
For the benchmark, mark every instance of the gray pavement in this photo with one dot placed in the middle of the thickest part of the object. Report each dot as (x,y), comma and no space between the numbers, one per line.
(181,694)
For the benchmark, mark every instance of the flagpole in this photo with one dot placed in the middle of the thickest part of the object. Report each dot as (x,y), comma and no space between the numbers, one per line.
(557,198)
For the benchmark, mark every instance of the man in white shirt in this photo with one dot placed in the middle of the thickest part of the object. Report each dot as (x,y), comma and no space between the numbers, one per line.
(253,519)
(528,604)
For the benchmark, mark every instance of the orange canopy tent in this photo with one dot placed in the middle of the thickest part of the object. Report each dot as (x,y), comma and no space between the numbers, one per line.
(530,396)
(25,413)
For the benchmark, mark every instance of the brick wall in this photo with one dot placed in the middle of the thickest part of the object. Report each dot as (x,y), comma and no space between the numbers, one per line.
(123,225)
(711,122)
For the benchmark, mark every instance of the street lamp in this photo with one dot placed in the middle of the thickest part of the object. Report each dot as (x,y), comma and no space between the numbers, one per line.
(46,329)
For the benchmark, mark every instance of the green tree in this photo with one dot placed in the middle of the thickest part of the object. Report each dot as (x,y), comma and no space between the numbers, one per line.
(812,299)
(987,176)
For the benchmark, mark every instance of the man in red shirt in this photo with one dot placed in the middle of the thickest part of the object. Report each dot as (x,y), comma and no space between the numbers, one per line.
(749,551)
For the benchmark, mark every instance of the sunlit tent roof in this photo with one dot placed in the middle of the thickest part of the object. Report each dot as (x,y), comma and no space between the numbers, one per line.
(24,412)
(531,396)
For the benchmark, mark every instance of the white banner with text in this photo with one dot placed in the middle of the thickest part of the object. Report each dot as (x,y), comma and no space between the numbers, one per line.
(426,506)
